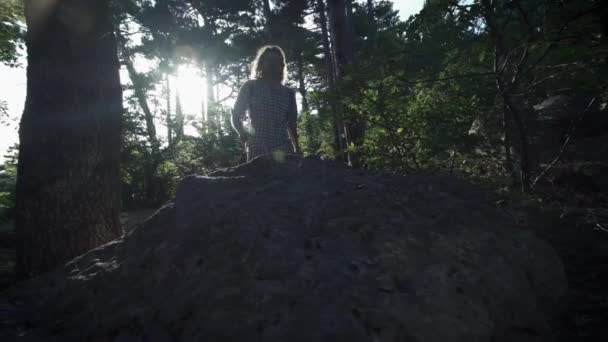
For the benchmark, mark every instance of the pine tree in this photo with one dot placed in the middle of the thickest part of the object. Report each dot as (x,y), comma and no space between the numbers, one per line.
(68,186)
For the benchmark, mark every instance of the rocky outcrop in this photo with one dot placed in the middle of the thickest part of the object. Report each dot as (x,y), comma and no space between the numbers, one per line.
(304,250)
(572,130)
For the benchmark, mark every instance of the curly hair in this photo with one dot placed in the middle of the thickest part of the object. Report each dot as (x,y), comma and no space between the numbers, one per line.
(269,64)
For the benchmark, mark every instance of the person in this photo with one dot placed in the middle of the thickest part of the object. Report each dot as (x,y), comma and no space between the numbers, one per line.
(271,107)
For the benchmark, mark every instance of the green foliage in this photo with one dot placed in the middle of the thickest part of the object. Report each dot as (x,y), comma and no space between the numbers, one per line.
(4,116)
(418,87)
(218,143)
(309,129)
(150,180)
(8,181)
(11,31)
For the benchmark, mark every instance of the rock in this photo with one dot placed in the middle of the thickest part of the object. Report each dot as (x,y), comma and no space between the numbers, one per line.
(555,118)
(582,165)
(305,250)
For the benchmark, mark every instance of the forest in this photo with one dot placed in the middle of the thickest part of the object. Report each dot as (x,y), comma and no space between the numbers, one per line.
(507,96)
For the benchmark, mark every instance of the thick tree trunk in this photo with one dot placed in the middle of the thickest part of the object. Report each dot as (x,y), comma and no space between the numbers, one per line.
(68,184)
(341,34)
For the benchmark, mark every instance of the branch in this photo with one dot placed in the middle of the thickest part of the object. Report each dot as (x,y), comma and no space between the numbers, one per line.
(232,91)
(516,73)
(559,32)
(523,14)
(562,149)
(471,75)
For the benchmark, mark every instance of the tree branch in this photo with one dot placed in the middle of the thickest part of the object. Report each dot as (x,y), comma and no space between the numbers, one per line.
(562,149)
(471,75)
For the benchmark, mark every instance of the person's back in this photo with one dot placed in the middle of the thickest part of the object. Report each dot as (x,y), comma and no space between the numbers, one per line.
(271,106)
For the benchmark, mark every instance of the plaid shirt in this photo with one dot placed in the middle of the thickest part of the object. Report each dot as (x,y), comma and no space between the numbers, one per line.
(271,106)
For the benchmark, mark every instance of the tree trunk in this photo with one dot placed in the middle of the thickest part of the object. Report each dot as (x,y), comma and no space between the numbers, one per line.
(140,94)
(504,87)
(524,144)
(506,121)
(168,117)
(506,127)
(340,14)
(341,34)
(151,181)
(330,73)
(179,119)
(327,56)
(372,23)
(302,84)
(68,184)
(268,21)
(211,100)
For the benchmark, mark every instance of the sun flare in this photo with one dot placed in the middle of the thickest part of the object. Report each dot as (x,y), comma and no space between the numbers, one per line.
(190,84)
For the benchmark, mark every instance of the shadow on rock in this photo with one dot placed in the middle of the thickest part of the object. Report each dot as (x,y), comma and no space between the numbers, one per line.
(304,250)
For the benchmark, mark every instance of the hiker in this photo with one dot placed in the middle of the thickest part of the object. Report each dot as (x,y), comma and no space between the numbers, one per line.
(271,106)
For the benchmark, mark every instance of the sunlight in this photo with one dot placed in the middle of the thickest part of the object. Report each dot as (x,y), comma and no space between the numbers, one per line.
(191,85)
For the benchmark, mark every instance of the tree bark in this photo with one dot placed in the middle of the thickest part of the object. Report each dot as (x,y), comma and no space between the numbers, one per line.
(341,34)
(372,23)
(168,114)
(209,77)
(179,119)
(151,181)
(340,14)
(268,21)
(68,184)
(506,121)
(327,54)
(504,87)
(140,94)
(330,74)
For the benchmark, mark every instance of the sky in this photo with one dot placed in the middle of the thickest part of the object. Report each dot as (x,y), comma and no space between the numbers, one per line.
(13,84)
(408,7)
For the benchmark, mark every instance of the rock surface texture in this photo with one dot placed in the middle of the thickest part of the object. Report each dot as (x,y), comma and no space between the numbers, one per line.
(304,250)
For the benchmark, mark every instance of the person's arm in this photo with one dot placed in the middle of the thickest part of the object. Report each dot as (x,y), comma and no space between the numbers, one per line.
(292,123)
(240,108)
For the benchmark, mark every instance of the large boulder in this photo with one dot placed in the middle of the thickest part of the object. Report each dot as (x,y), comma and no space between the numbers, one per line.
(583,161)
(304,250)
(561,116)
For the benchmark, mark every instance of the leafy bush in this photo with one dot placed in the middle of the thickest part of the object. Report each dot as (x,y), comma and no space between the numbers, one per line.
(8,181)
